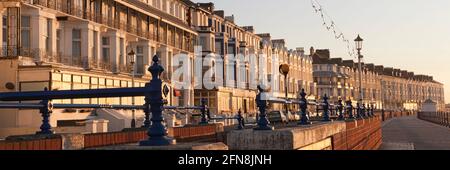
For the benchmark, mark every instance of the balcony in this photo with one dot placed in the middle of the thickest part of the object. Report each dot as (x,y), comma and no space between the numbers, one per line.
(130,28)
(205,29)
(124,68)
(105,65)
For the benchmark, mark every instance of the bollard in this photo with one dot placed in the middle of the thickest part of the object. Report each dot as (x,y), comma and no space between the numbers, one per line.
(45,111)
(326,105)
(204,111)
(349,109)
(157,132)
(304,120)
(240,120)
(263,122)
(340,108)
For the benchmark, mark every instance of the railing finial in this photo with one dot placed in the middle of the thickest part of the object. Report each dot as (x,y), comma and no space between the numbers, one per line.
(326,105)
(263,122)
(156,69)
(340,108)
(303,107)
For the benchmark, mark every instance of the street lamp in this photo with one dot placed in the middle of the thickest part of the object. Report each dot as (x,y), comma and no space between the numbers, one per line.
(133,111)
(284,69)
(359,42)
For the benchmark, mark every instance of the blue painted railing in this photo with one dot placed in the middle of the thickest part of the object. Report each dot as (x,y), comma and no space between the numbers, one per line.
(154,103)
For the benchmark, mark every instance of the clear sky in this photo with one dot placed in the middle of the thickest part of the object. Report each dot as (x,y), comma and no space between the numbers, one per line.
(406,34)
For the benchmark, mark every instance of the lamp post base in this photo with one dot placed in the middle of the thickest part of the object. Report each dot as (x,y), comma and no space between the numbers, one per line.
(304,123)
(158,141)
(133,123)
(203,123)
(50,132)
(264,128)
(304,120)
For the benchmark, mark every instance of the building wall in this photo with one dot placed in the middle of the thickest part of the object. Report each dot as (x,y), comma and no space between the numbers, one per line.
(386,88)
(70,47)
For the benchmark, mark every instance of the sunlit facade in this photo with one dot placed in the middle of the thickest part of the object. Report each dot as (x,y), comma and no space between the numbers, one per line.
(78,44)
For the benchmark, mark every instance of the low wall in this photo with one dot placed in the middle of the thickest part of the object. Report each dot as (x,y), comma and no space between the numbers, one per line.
(364,134)
(52,142)
(361,134)
(441,118)
(84,141)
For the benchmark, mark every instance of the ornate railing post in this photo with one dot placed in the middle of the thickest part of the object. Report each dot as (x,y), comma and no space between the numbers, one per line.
(364,110)
(147,108)
(157,131)
(372,108)
(46,111)
(204,111)
(304,120)
(326,107)
(340,108)
(240,120)
(349,109)
(358,110)
(261,102)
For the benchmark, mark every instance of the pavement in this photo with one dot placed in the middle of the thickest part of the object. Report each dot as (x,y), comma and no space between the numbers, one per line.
(410,133)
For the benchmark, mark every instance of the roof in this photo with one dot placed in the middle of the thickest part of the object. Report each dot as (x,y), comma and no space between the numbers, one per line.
(160,13)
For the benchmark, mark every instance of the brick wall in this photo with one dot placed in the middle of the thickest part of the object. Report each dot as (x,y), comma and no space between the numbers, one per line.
(32,144)
(114,138)
(363,134)
(181,134)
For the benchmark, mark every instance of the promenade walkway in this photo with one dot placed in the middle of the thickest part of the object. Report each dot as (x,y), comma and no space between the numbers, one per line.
(410,133)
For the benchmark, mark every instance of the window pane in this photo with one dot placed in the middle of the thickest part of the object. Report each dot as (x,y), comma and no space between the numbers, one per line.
(25,38)
(76,34)
(139,50)
(105,54)
(140,64)
(76,48)
(25,21)
(105,41)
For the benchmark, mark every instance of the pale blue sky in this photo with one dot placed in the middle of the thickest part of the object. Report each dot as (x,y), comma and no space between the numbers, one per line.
(407,34)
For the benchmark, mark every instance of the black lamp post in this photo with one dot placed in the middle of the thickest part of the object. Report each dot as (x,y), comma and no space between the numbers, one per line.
(358,42)
(131,54)
(284,69)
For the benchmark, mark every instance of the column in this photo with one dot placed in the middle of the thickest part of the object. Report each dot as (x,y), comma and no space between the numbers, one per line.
(2,10)
(114,38)
(86,45)
(13,15)
(37,43)
(147,55)
(96,46)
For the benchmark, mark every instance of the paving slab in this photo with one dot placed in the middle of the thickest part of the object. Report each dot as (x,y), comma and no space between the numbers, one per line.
(421,134)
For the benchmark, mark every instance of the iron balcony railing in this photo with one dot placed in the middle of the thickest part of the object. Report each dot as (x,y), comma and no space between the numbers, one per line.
(41,55)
